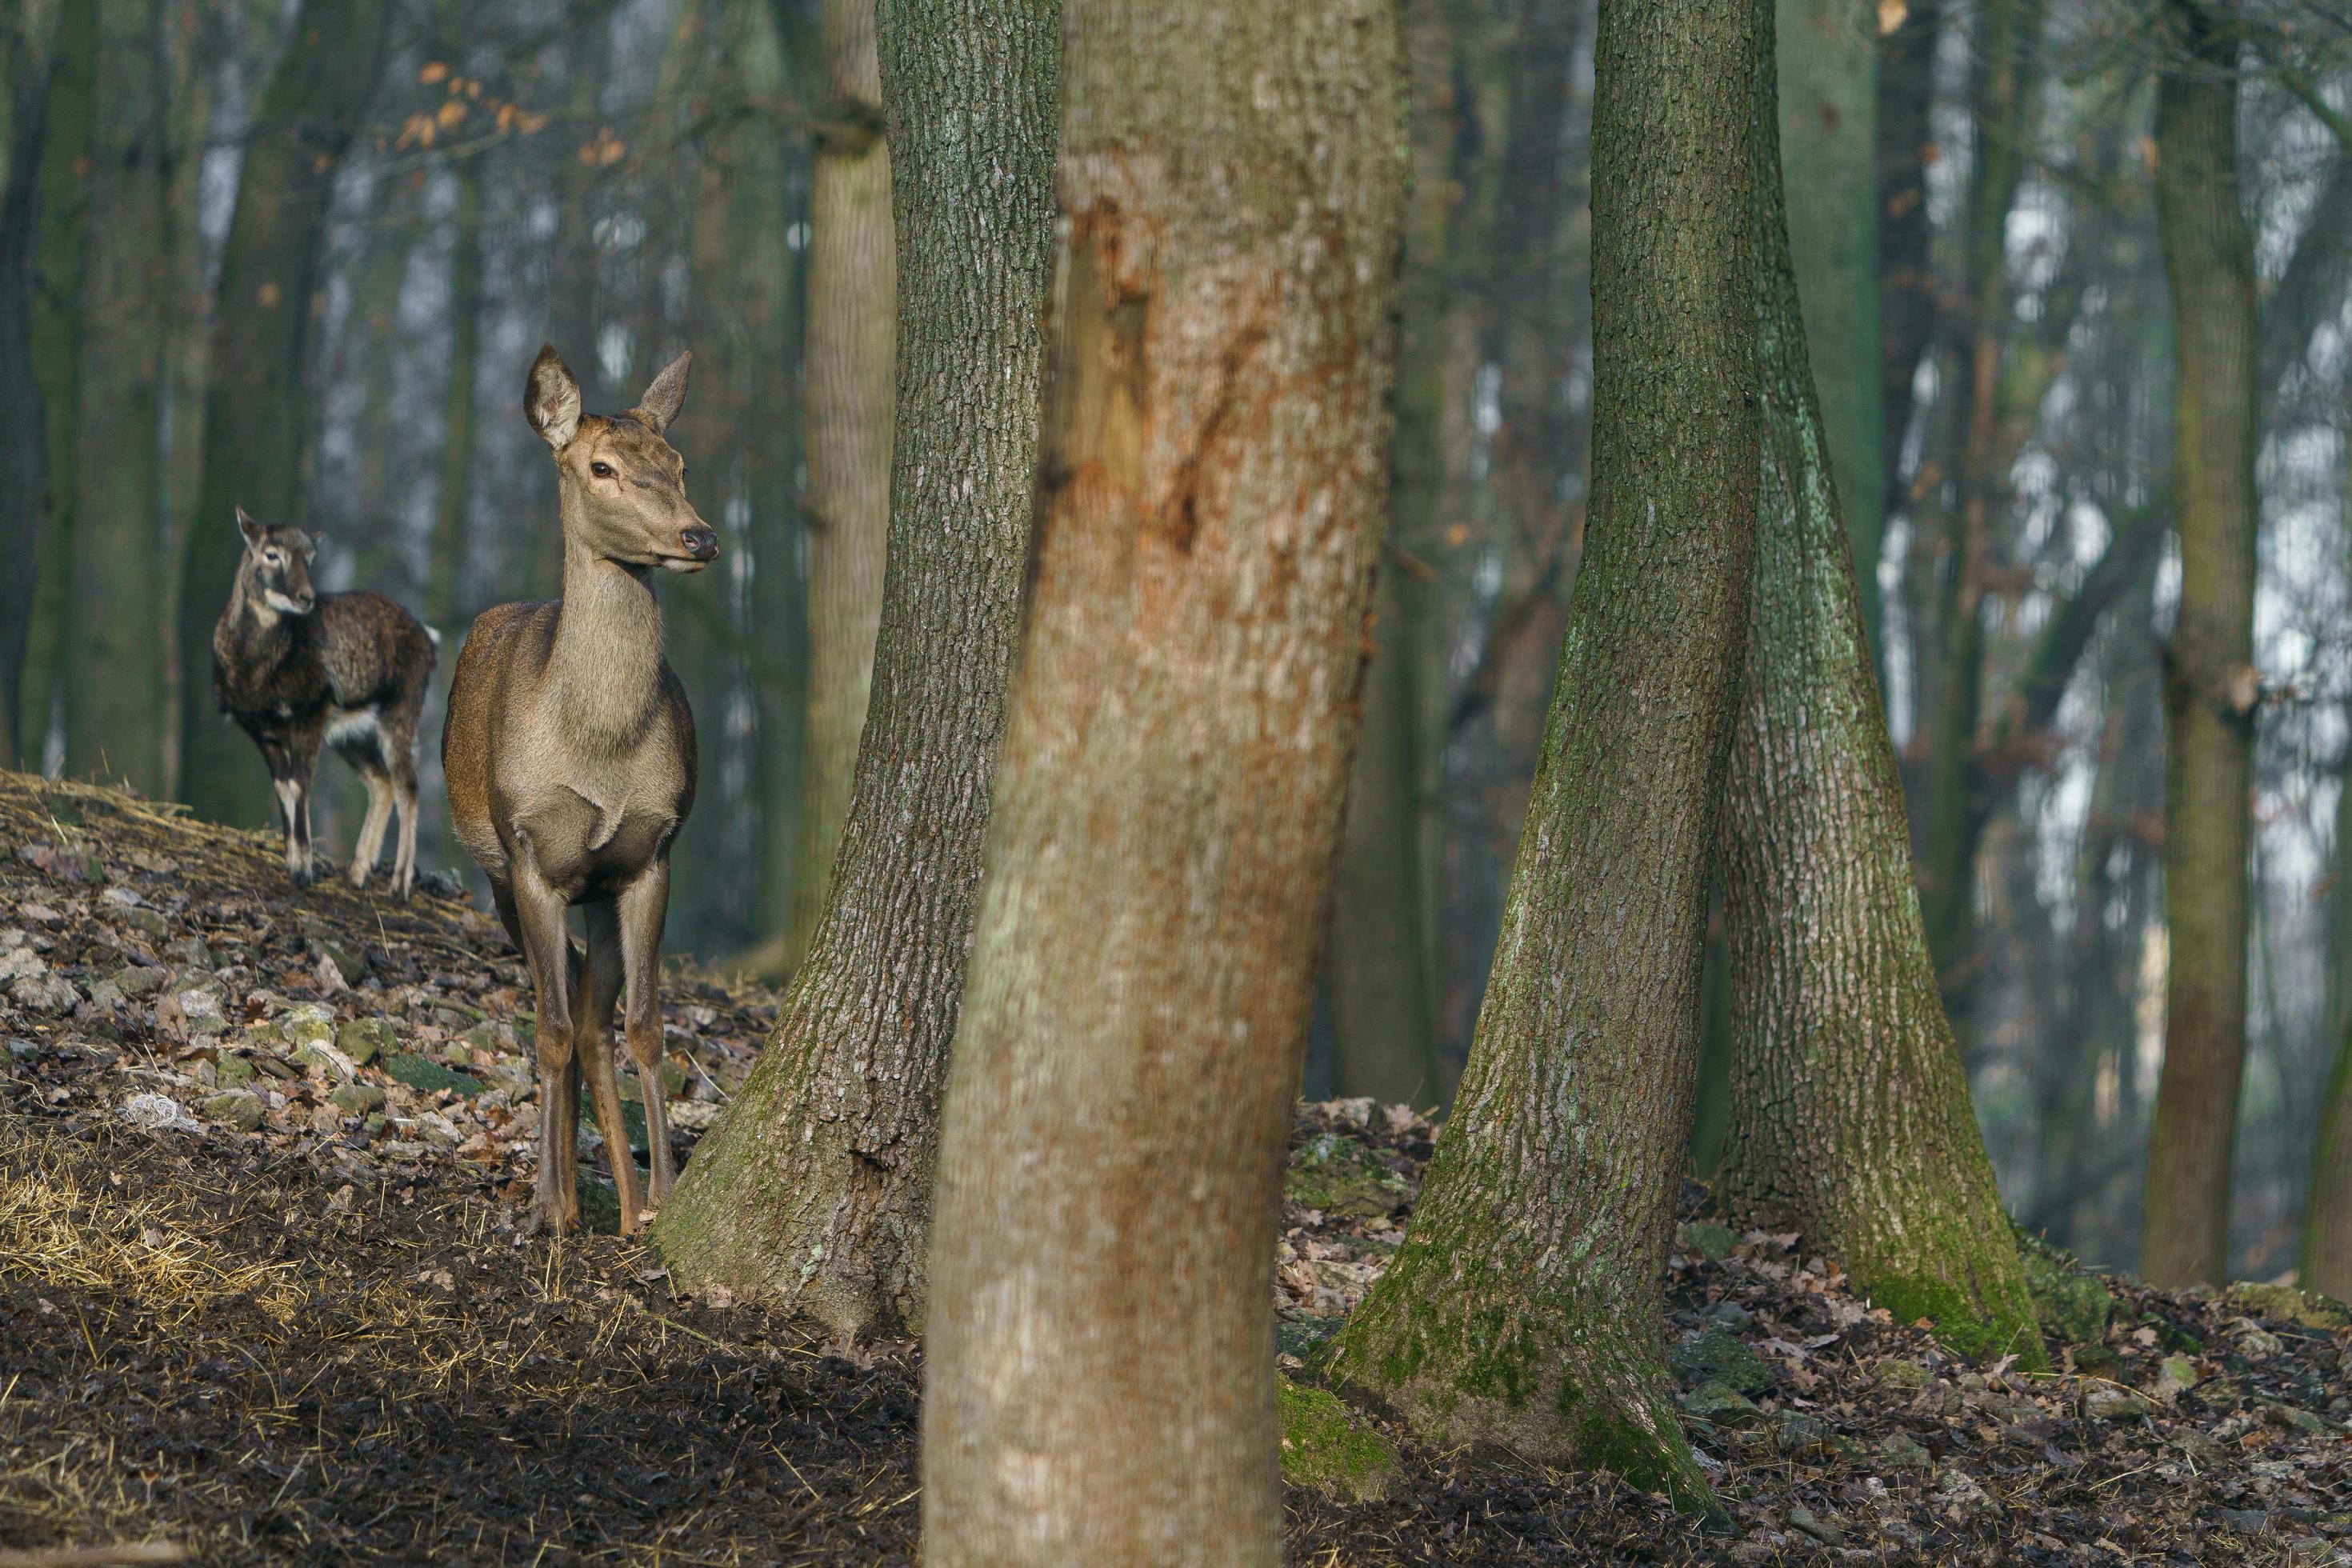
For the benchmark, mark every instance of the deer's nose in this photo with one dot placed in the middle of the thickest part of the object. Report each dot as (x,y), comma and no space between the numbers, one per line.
(701,543)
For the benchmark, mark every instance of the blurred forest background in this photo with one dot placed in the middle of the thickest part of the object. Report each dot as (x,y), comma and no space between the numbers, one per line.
(297,255)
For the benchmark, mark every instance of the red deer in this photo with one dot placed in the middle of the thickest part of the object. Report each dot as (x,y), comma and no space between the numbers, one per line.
(571,763)
(295,667)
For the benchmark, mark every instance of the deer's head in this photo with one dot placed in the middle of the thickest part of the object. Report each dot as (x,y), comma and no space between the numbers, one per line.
(622,486)
(276,565)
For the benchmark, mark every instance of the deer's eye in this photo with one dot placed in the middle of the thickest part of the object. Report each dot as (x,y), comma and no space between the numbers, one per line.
(602,470)
(273,559)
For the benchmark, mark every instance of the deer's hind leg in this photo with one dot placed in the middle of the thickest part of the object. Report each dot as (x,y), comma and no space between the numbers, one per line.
(370,843)
(600,986)
(644,905)
(403,796)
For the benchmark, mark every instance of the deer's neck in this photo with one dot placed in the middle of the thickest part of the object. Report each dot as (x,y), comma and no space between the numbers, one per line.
(606,665)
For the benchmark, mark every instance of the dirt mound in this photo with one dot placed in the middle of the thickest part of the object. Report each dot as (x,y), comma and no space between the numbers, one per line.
(263,1292)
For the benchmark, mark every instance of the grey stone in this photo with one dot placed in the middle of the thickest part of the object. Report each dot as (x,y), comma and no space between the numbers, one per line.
(238,1109)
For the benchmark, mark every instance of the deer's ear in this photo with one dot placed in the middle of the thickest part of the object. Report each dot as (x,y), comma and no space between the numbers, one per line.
(309,542)
(550,399)
(667,395)
(246,526)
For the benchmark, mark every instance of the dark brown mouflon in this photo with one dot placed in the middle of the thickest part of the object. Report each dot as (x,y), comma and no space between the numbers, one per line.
(570,757)
(295,667)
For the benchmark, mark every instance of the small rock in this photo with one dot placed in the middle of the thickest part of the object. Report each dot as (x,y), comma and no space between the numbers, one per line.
(157,1113)
(335,954)
(138,980)
(22,1050)
(1724,1406)
(232,1070)
(2252,1340)
(148,922)
(2107,1401)
(2286,1304)
(2244,1520)
(311,1022)
(366,1040)
(190,950)
(1820,1530)
(694,1115)
(1731,1315)
(1901,1452)
(358,1099)
(2292,1415)
(238,1109)
(1711,1241)
(1794,1432)
(423,1073)
(2175,1376)
(2196,1445)
(199,1009)
(1724,1358)
(1899,1371)
(319,1054)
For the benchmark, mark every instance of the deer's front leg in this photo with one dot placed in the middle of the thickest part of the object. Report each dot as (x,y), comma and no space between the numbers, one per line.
(547,951)
(643,906)
(593,1038)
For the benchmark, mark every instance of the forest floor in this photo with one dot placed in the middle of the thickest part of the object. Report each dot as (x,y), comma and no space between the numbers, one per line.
(265,1295)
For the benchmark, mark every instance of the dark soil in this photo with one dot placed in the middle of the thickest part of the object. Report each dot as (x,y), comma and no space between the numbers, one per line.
(306,1325)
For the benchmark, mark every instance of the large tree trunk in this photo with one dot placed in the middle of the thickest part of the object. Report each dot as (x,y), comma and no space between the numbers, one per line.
(1850,1114)
(60,204)
(1174,776)
(1829,129)
(815,1191)
(257,413)
(852,314)
(114,638)
(28,58)
(2209,689)
(1573,1117)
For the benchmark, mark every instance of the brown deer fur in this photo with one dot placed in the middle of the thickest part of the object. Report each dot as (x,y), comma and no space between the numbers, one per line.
(294,668)
(570,758)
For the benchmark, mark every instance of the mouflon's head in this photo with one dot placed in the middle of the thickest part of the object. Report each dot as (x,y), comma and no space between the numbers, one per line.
(276,565)
(623,486)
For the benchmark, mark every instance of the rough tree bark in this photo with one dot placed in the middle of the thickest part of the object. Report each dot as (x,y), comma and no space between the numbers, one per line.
(1829,130)
(2211,690)
(114,671)
(1524,1306)
(1850,1114)
(814,1190)
(1173,779)
(255,412)
(852,314)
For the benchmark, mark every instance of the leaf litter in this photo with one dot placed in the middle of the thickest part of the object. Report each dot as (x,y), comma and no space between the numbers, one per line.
(264,1293)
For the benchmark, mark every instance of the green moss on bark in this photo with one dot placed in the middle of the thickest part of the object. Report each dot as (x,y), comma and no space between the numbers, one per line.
(1330,1447)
